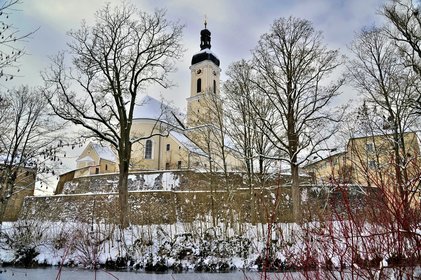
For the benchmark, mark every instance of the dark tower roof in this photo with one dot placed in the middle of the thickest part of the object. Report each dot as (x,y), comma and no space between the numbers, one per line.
(205,39)
(205,46)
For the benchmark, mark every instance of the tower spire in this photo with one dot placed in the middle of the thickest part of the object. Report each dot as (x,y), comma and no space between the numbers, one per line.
(205,46)
(205,37)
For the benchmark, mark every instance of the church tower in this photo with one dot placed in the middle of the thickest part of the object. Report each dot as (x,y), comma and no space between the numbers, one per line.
(205,82)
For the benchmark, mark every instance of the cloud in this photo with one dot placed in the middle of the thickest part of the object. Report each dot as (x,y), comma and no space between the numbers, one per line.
(63,15)
(236,26)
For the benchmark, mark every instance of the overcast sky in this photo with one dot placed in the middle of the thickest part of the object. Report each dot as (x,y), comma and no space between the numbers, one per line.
(236,26)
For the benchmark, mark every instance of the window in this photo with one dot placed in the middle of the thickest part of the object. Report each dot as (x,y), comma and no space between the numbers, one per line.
(97,170)
(179,164)
(167,166)
(369,147)
(106,167)
(199,85)
(214,86)
(168,147)
(148,149)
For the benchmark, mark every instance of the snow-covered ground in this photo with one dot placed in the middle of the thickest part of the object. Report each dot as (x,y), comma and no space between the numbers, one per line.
(199,246)
(182,246)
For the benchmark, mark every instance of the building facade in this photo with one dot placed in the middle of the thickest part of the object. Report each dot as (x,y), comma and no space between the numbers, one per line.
(366,159)
(24,186)
(205,83)
(164,139)
(96,159)
(163,144)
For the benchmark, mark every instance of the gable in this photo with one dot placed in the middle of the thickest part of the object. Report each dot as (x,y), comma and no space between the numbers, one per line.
(95,152)
(104,152)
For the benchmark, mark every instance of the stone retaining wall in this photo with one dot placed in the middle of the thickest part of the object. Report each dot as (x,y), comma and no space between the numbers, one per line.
(170,197)
(163,207)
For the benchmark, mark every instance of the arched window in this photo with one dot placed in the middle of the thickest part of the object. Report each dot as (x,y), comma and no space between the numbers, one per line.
(168,147)
(214,86)
(148,149)
(199,85)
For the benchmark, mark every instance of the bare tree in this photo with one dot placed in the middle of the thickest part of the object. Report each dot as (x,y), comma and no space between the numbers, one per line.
(113,62)
(242,124)
(293,68)
(404,18)
(26,130)
(10,36)
(379,72)
(220,133)
(211,135)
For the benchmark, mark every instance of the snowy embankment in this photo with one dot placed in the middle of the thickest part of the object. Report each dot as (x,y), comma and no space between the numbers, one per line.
(195,246)
(199,246)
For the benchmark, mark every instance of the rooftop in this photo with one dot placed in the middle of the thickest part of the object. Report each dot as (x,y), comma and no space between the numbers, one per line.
(151,108)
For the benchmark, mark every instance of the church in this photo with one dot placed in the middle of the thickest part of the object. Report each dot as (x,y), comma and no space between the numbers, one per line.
(172,140)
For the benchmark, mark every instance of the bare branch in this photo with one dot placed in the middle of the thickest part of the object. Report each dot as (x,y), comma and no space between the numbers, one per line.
(113,62)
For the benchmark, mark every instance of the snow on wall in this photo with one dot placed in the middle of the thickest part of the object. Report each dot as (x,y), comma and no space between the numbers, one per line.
(136,182)
(163,181)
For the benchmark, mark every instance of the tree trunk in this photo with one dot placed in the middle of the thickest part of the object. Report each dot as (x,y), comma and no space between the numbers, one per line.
(295,184)
(3,205)
(9,177)
(295,193)
(123,193)
(210,158)
(401,191)
(3,201)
